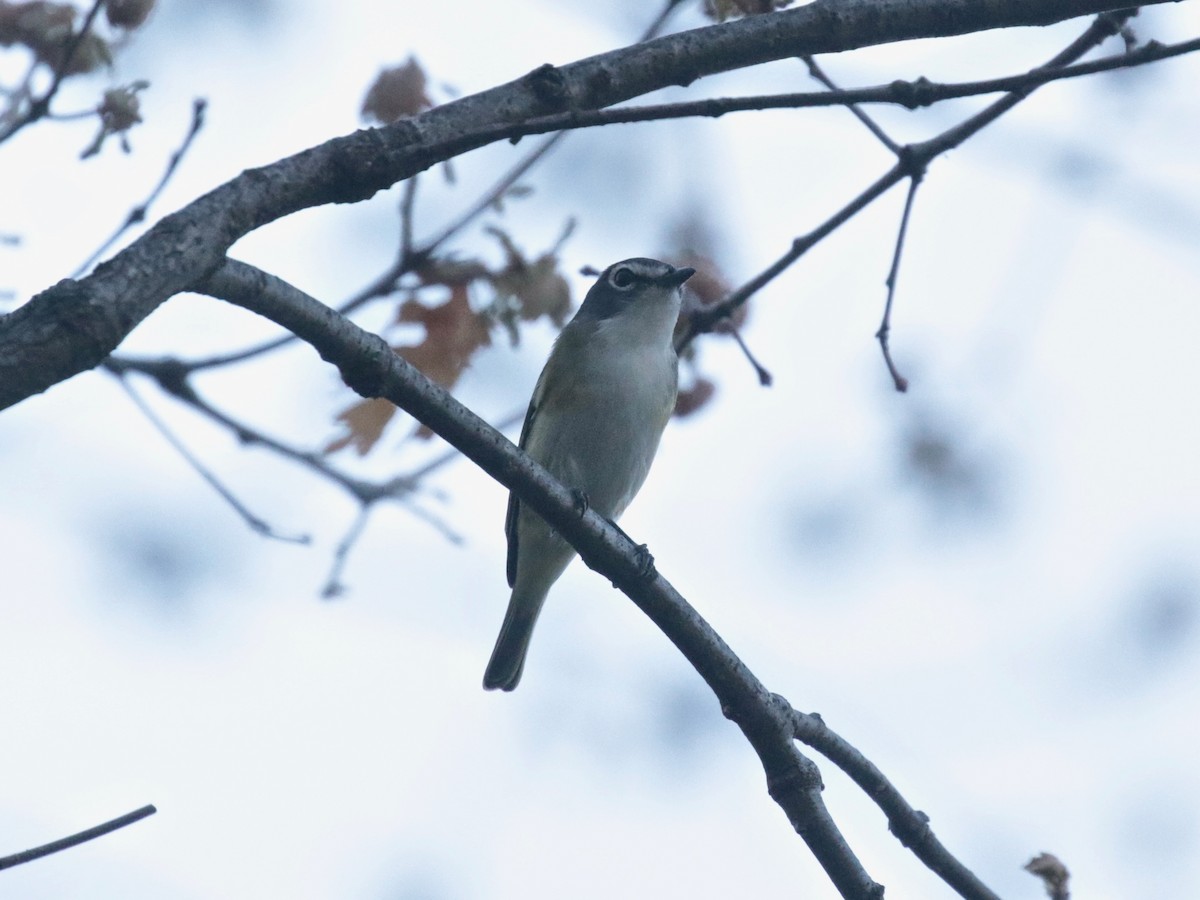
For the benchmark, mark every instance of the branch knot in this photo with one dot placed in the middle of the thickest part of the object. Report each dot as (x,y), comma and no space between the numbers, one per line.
(550,87)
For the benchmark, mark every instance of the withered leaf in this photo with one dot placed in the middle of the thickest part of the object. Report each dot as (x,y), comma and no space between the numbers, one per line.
(364,422)
(532,289)
(538,287)
(708,286)
(397,92)
(720,10)
(453,333)
(694,398)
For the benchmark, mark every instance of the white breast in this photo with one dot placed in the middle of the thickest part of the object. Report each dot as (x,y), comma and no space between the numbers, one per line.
(604,444)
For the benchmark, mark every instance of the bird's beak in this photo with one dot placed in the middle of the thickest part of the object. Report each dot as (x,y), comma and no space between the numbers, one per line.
(676,277)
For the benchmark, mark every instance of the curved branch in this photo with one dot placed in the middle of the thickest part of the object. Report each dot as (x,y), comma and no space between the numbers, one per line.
(412,256)
(913,161)
(74,325)
(90,834)
(914,94)
(370,367)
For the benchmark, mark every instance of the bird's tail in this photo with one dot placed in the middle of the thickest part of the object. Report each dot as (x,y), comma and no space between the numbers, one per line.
(508,656)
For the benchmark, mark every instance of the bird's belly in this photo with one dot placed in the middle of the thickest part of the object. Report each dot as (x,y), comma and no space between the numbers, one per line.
(605,447)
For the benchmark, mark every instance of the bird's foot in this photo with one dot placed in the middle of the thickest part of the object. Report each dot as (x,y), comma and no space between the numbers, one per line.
(581,501)
(645,562)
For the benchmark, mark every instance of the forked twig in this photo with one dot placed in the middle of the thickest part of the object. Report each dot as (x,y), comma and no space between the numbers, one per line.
(138,213)
(885,325)
(256,524)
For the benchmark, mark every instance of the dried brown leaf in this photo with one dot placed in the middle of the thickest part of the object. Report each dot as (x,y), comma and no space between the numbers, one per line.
(720,10)
(453,334)
(532,289)
(451,271)
(1055,877)
(708,286)
(48,29)
(127,13)
(397,92)
(364,422)
(539,288)
(694,398)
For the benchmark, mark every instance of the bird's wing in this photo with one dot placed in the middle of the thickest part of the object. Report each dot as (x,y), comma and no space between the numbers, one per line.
(560,388)
(514,505)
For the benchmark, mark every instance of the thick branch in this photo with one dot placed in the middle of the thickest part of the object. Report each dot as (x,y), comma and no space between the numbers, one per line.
(72,326)
(370,367)
(915,94)
(373,369)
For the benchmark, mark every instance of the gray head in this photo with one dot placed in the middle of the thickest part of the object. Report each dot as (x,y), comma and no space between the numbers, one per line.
(637,280)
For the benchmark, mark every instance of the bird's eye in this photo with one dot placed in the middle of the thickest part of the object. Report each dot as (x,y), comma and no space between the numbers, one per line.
(622,278)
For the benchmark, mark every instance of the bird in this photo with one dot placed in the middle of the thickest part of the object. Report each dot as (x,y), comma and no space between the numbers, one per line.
(594,422)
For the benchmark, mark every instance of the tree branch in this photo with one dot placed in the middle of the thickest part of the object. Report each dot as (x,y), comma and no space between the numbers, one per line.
(885,324)
(137,215)
(815,70)
(910,826)
(370,367)
(256,523)
(16,859)
(411,256)
(913,162)
(914,94)
(72,326)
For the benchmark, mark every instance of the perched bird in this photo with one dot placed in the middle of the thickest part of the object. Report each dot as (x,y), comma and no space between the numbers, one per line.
(597,413)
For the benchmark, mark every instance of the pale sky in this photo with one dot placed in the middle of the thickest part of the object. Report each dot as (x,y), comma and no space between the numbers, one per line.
(1014,644)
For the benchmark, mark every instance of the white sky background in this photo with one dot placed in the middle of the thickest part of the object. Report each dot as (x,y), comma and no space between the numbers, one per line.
(1019,656)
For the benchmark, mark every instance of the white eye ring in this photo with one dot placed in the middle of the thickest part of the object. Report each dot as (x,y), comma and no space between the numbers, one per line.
(622,278)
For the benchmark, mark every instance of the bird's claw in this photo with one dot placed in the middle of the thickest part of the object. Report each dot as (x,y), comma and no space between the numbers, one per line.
(580,499)
(645,561)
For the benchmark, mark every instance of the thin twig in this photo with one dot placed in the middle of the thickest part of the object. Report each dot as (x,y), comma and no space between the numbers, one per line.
(655,28)
(138,213)
(502,186)
(706,318)
(385,283)
(16,859)
(911,95)
(885,325)
(914,158)
(872,126)
(174,380)
(407,202)
(764,375)
(256,524)
(22,93)
(334,587)
(908,94)
(513,175)
(333,584)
